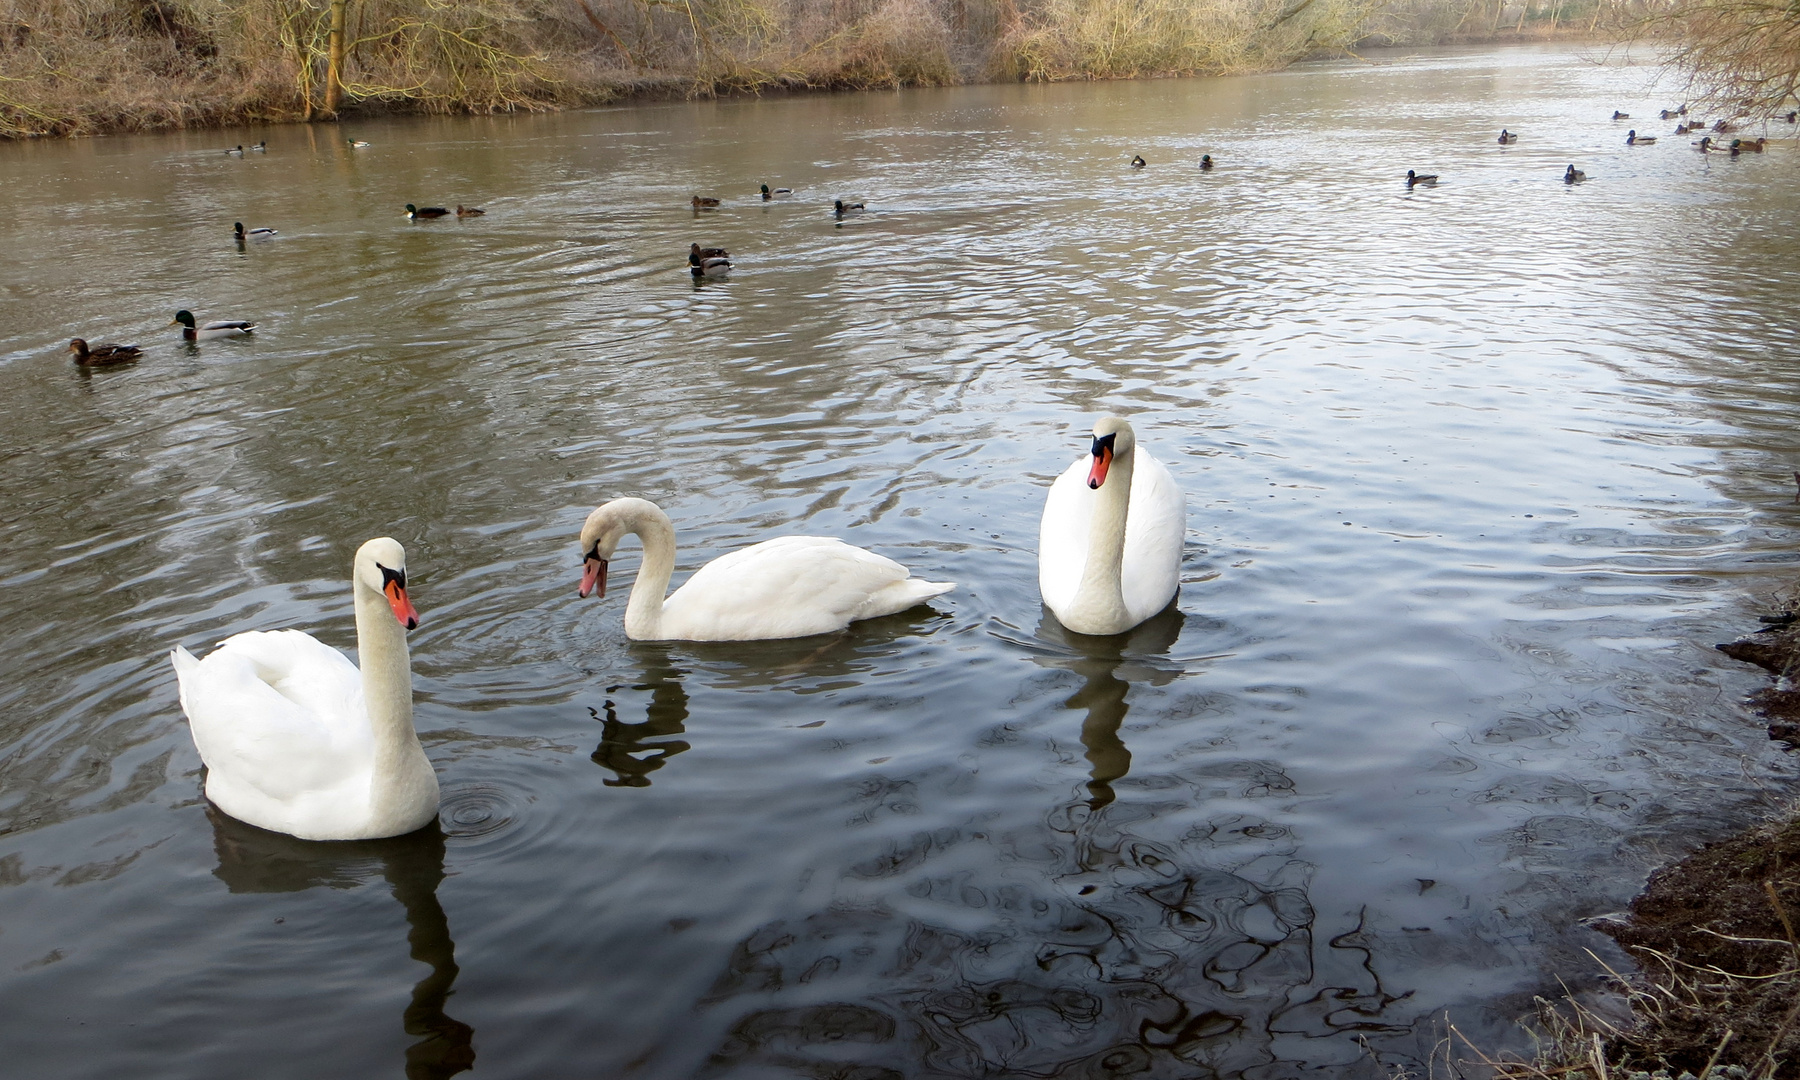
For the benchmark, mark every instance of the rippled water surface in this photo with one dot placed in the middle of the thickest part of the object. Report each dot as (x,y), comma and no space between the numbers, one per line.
(1476,476)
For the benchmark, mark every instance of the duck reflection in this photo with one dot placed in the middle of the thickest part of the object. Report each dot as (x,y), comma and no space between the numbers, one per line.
(253,860)
(634,751)
(1102,662)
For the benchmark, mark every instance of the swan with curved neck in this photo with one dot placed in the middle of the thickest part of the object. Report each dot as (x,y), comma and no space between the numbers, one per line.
(789,587)
(1109,547)
(297,740)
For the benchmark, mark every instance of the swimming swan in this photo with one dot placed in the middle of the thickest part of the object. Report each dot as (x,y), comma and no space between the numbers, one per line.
(297,740)
(789,587)
(1109,549)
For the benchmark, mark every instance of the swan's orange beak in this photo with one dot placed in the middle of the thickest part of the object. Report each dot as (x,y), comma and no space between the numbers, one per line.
(593,576)
(403,609)
(1102,462)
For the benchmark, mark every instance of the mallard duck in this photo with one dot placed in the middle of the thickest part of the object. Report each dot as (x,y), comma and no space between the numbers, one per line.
(1413,179)
(1506,137)
(101,355)
(1704,144)
(417,212)
(1206,161)
(1617,115)
(840,207)
(261,147)
(778,193)
(237,228)
(1749,146)
(1683,129)
(1670,114)
(238,150)
(356,144)
(1724,127)
(469,211)
(701,202)
(1793,117)
(222,328)
(698,255)
(713,267)
(1138,162)
(1574,176)
(1632,138)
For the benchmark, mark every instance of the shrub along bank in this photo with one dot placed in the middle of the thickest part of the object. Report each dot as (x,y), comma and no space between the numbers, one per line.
(86,66)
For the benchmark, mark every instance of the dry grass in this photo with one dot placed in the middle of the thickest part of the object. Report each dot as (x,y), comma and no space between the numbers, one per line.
(82,66)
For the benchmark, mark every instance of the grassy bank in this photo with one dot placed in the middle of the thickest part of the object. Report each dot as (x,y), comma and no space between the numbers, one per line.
(70,67)
(1716,937)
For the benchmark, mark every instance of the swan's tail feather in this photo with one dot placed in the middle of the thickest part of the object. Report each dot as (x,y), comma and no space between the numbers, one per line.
(929,589)
(182,661)
(901,595)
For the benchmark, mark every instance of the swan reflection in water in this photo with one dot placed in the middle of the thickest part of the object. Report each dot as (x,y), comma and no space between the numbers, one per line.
(1107,675)
(253,860)
(634,751)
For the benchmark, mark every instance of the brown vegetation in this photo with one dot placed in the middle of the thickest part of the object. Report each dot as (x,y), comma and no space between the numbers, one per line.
(78,66)
(1741,55)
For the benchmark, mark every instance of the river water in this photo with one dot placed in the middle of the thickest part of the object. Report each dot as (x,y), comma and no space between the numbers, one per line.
(1476,476)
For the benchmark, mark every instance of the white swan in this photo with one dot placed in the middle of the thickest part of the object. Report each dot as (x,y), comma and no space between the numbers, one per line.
(794,586)
(296,740)
(1109,549)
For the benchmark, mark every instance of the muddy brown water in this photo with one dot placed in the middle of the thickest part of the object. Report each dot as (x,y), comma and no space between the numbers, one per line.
(1476,476)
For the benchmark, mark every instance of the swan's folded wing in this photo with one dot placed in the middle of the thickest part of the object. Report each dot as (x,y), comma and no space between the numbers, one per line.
(1155,532)
(278,711)
(793,586)
(1063,536)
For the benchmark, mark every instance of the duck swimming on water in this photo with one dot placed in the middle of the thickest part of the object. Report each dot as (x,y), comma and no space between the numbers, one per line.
(238,231)
(1506,137)
(1206,161)
(101,355)
(776,193)
(1138,162)
(1632,138)
(219,329)
(422,212)
(1574,176)
(1413,179)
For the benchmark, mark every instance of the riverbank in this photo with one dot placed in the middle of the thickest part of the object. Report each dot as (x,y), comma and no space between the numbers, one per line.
(1716,937)
(90,67)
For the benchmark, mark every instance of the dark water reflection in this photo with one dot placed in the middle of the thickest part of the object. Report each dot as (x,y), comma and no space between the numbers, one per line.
(632,751)
(1106,678)
(1476,476)
(253,860)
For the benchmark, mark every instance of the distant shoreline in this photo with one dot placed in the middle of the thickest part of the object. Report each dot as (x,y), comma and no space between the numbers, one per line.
(60,104)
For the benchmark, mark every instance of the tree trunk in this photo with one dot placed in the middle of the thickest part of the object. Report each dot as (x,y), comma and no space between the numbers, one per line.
(334,59)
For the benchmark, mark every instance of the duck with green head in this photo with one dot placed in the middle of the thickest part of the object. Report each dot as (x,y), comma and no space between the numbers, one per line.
(420,213)
(775,193)
(220,329)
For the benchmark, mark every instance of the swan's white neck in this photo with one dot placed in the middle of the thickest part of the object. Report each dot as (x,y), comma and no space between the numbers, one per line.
(644,611)
(402,780)
(1099,604)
